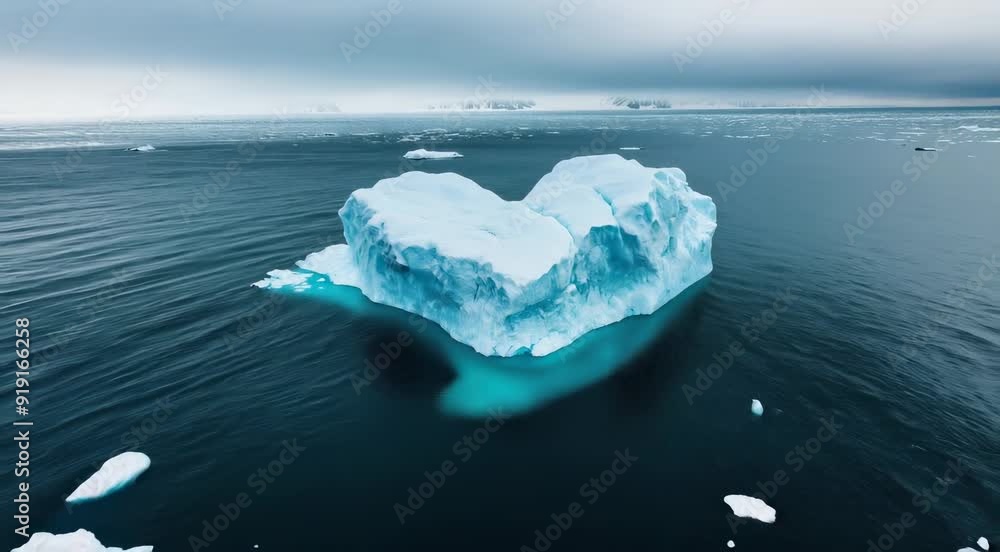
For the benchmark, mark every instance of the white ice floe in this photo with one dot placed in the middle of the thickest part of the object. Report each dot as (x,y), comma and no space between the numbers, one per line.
(983,543)
(424,154)
(79,541)
(731,544)
(332,260)
(280,278)
(596,240)
(756,407)
(750,507)
(113,475)
(147,147)
(630,148)
(977,128)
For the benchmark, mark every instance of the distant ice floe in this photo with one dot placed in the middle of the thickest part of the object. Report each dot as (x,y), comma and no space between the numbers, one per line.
(983,543)
(114,474)
(424,154)
(756,407)
(977,128)
(731,544)
(750,507)
(79,541)
(144,148)
(280,278)
(630,148)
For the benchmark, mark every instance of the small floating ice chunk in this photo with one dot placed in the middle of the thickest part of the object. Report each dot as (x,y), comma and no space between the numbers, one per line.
(79,541)
(114,474)
(630,148)
(731,544)
(757,408)
(280,278)
(748,506)
(983,543)
(147,147)
(424,154)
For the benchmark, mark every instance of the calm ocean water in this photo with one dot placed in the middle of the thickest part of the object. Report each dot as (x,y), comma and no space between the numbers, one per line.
(135,270)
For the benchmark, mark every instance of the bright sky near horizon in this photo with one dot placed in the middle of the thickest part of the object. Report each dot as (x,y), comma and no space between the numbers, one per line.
(64,58)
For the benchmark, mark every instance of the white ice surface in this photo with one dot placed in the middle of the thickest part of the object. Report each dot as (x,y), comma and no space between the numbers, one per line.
(113,475)
(750,507)
(983,543)
(78,541)
(756,408)
(596,240)
(280,278)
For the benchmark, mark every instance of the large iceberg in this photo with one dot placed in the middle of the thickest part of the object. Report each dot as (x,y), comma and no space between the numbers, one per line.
(114,474)
(77,541)
(598,239)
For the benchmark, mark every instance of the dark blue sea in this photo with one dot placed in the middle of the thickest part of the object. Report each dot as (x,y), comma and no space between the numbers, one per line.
(856,294)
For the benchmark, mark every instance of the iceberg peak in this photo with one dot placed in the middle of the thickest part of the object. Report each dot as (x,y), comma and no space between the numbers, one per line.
(598,239)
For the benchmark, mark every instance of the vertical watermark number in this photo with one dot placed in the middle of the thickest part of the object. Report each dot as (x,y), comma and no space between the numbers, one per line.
(22,499)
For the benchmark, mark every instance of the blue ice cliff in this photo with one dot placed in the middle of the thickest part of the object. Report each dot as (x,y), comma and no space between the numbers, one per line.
(598,239)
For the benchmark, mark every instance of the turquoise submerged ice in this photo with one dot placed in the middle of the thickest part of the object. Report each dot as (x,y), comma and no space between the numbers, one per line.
(598,239)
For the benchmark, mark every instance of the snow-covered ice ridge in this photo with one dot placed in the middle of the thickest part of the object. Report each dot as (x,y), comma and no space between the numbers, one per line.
(598,239)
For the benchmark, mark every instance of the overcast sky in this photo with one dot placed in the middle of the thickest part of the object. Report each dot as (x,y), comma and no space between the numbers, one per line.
(254,56)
